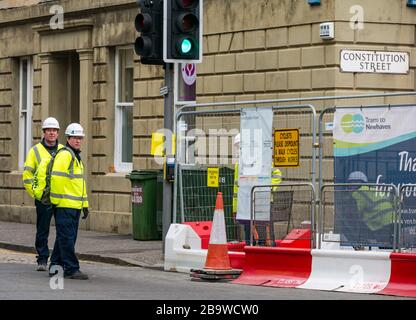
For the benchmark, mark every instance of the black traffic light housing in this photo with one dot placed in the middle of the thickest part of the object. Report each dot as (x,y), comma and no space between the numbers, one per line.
(149,22)
(182,35)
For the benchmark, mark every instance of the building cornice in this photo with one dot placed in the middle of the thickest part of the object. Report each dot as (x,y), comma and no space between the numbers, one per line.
(69,25)
(41,11)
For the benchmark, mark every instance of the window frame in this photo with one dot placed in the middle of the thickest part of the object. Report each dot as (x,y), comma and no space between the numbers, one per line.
(119,165)
(25,116)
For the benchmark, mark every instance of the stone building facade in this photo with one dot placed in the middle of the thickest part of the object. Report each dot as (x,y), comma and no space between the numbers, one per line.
(87,72)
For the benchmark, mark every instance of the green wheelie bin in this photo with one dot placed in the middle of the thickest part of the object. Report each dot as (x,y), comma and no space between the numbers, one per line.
(144,204)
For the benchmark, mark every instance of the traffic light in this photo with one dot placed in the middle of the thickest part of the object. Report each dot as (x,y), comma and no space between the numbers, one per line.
(182,34)
(149,22)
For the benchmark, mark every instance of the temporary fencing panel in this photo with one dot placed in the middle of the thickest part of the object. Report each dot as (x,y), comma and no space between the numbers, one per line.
(206,158)
(359,215)
(375,142)
(204,131)
(198,200)
(205,165)
(377,271)
(291,216)
(407,217)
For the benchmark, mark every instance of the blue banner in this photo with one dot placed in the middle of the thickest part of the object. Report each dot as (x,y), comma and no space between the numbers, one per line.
(375,146)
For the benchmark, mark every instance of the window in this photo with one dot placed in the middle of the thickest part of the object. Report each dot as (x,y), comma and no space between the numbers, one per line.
(25,109)
(123,151)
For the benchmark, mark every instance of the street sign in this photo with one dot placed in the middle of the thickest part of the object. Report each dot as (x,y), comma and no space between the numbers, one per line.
(185,83)
(393,62)
(286,148)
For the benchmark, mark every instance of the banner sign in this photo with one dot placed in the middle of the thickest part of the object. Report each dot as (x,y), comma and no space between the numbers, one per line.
(286,148)
(377,145)
(255,162)
(374,61)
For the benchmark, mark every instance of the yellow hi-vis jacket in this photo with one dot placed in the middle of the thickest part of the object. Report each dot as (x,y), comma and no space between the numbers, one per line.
(35,156)
(376,211)
(276,179)
(68,186)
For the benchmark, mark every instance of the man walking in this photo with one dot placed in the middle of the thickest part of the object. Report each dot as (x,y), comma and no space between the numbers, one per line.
(68,194)
(42,151)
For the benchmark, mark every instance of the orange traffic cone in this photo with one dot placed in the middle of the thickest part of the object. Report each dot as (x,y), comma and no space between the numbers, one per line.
(217,257)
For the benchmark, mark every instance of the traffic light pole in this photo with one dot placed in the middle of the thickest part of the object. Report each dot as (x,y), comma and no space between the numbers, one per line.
(168,125)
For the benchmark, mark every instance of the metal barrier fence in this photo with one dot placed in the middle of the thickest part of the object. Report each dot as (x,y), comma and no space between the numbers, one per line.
(205,141)
(197,201)
(407,217)
(211,116)
(277,211)
(359,215)
(330,170)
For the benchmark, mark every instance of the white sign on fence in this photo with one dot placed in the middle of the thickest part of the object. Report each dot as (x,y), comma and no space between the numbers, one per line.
(374,61)
(255,162)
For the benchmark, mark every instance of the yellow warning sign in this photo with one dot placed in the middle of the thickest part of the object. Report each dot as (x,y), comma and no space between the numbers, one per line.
(286,148)
(157,147)
(213,177)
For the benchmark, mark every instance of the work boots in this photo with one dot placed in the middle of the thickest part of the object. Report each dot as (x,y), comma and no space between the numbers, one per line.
(42,267)
(77,275)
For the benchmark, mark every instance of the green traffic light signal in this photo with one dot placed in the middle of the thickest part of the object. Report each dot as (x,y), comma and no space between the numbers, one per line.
(183,31)
(186,46)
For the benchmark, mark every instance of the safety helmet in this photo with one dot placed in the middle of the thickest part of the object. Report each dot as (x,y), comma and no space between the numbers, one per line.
(357,176)
(74,130)
(50,123)
(237,139)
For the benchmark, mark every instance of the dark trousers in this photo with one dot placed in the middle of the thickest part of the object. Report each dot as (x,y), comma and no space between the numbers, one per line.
(261,242)
(67,221)
(43,220)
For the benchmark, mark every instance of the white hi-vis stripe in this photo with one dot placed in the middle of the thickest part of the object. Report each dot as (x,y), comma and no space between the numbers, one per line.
(67,175)
(69,197)
(27,168)
(28,181)
(35,149)
(218,235)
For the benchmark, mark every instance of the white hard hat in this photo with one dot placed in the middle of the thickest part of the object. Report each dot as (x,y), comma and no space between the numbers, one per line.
(50,123)
(74,130)
(358,176)
(237,139)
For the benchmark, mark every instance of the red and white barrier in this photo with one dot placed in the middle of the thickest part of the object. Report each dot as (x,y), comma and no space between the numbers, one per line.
(275,267)
(348,271)
(183,250)
(332,270)
(203,229)
(403,275)
(319,269)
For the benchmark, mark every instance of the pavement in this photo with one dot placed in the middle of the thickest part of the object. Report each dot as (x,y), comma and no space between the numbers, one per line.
(91,245)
